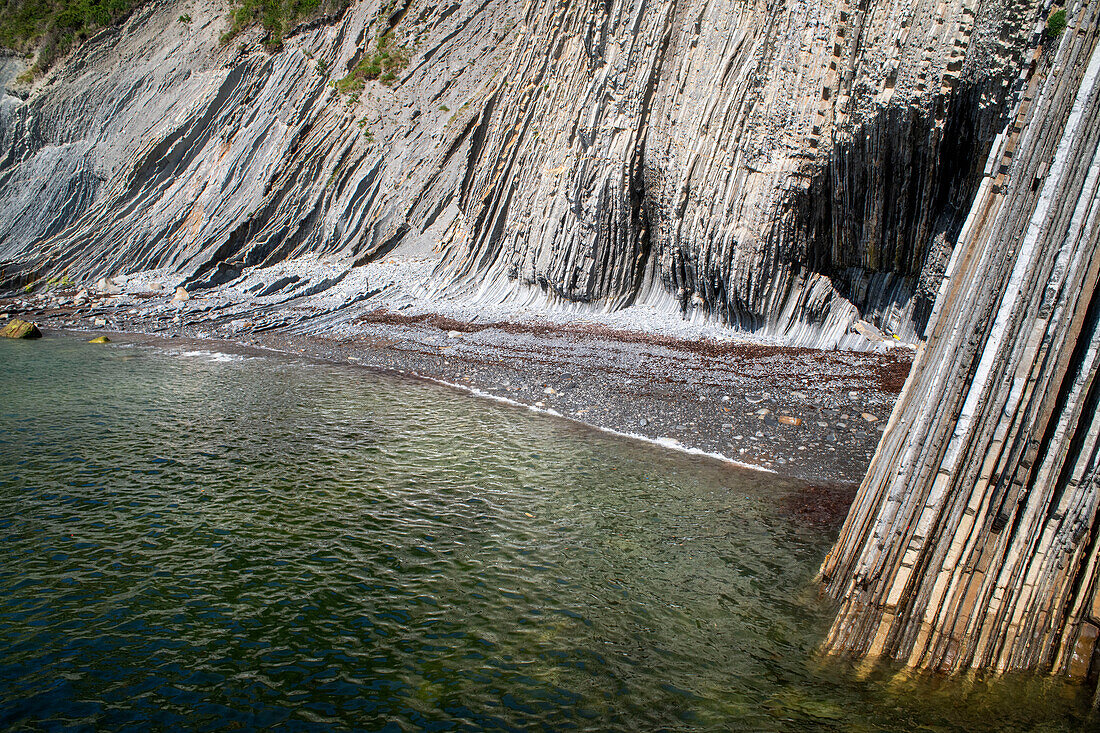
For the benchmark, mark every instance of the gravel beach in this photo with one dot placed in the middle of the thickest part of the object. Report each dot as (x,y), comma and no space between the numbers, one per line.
(803,413)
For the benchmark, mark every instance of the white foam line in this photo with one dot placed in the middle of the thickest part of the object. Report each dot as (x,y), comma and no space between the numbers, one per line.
(673,444)
(214,356)
(667,443)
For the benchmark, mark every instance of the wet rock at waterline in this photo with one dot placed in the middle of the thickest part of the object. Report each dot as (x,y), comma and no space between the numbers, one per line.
(19,329)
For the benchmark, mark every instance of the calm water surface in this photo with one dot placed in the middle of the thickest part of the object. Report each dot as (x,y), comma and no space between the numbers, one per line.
(208,541)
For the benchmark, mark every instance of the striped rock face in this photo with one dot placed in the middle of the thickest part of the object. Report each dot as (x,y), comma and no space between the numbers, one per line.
(973,543)
(794,169)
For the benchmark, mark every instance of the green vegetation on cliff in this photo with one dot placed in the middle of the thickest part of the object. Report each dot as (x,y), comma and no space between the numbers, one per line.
(383,64)
(52,26)
(1056,24)
(278,17)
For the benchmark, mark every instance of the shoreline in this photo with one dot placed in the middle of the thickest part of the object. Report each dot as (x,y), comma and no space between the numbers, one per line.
(799,413)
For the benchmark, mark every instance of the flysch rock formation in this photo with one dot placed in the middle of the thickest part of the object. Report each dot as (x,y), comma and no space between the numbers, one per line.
(973,542)
(158,146)
(780,166)
(788,168)
(797,169)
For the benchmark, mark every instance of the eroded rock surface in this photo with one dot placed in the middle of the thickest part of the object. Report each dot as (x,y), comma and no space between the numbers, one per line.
(973,542)
(793,169)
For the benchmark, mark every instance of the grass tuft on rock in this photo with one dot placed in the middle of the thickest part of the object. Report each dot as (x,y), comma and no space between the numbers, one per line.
(1056,24)
(384,64)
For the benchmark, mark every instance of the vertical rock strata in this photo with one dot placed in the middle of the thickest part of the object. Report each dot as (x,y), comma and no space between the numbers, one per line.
(787,167)
(973,542)
(778,166)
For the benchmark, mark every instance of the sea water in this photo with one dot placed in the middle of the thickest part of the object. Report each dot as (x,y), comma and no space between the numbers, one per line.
(199,540)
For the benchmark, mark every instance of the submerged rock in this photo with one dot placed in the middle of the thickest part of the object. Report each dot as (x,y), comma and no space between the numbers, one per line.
(18,329)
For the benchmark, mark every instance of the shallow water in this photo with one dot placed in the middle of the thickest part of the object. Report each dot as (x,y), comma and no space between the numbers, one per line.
(201,540)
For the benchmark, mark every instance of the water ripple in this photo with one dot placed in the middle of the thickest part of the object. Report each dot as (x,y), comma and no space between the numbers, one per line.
(202,541)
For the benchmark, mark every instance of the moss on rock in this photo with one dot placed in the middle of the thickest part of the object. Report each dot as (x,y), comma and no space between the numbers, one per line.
(18,329)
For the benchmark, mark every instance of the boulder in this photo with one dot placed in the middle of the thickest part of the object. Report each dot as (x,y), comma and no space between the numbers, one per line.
(100,340)
(181,294)
(868,331)
(108,286)
(18,329)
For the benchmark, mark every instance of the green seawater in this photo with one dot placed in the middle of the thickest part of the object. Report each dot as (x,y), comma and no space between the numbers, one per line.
(202,541)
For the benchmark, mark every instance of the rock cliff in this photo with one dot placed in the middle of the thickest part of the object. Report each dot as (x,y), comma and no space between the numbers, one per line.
(793,168)
(973,542)
(790,168)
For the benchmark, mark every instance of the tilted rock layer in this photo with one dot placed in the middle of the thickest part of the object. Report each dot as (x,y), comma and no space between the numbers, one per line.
(791,168)
(974,541)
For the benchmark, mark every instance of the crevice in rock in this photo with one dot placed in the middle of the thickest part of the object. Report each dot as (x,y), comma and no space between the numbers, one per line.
(893,189)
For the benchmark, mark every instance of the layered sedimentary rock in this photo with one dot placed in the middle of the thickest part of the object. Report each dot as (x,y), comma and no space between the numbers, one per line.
(788,167)
(973,542)
(768,165)
(791,167)
(157,145)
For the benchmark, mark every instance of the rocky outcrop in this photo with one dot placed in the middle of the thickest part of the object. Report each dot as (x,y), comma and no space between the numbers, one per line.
(973,542)
(18,329)
(774,167)
(793,169)
(156,146)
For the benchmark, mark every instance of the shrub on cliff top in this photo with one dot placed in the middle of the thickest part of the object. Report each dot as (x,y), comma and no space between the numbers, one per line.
(51,27)
(1056,24)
